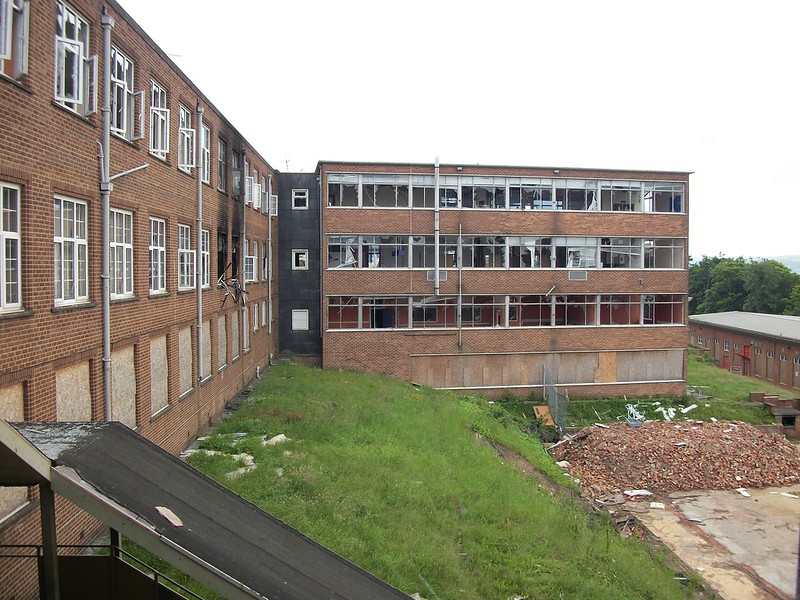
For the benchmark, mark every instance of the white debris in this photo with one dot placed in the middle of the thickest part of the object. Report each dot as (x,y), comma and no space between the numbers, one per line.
(170,516)
(688,408)
(657,505)
(713,420)
(249,465)
(743,492)
(786,494)
(278,439)
(564,464)
(682,444)
(601,425)
(279,471)
(633,493)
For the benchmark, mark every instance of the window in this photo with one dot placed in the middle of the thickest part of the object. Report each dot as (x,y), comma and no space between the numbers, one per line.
(255,316)
(14,38)
(222,165)
(483,192)
(770,354)
(387,191)
(726,345)
(758,351)
(120,264)
(186,138)
(205,258)
(158,256)
(264,263)
(75,72)
(264,195)
(783,357)
(663,253)
(621,253)
(300,319)
(70,251)
(222,254)
(299,260)
(159,121)
(236,173)
(10,260)
(663,196)
(263,313)
(185,258)
(735,345)
(123,98)
(250,262)
(255,190)
(796,360)
(205,155)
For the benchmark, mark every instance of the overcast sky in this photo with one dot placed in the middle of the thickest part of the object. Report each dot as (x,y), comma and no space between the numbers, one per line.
(704,86)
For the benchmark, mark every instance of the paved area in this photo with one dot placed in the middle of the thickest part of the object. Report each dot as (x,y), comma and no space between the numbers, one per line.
(743,546)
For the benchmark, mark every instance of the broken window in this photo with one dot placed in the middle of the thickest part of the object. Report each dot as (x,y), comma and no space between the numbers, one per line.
(620,309)
(665,253)
(663,309)
(576,194)
(621,253)
(384,251)
(483,251)
(388,191)
(433,311)
(666,197)
(423,251)
(529,252)
(342,190)
(384,313)
(530,311)
(575,252)
(483,311)
(483,192)
(530,193)
(343,251)
(621,196)
(343,312)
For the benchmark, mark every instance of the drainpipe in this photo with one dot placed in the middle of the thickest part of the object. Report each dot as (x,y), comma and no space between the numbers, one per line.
(269,256)
(198,266)
(105,192)
(436,228)
(243,247)
(459,263)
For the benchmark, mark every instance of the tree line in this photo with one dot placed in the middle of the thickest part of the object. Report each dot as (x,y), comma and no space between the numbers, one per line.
(720,284)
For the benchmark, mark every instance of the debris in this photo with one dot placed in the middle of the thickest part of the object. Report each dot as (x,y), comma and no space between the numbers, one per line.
(713,420)
(611,500)
(667,457)
(786,494)
(170,516)
(658,505)
(278,439)
(743,492)
(633,422)
(601,425)
(633,413)
(695,520)
(688,408)
(564,464)
(635,493)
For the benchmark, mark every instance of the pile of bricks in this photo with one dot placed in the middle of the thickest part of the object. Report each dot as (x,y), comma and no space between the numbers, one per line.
(669,456)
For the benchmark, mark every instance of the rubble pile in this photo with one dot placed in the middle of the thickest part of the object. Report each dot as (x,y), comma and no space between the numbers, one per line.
(669,456)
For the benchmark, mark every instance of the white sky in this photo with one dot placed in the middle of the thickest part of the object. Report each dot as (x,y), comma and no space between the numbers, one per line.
(704,86)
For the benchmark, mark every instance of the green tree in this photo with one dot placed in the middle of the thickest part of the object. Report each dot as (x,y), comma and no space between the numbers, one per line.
(726,291)
(700,280)
(768,284)
(793,302)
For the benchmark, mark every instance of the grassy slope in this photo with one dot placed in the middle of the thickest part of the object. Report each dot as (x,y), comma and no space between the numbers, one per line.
(395,479)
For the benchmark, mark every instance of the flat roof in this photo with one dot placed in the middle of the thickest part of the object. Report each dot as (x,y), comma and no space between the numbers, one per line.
(780,327)
(223,540)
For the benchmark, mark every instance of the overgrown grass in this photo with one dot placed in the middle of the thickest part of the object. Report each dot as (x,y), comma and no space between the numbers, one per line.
(398,480)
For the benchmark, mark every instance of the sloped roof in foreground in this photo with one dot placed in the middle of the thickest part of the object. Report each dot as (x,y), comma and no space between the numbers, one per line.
(780,327)
(224,541)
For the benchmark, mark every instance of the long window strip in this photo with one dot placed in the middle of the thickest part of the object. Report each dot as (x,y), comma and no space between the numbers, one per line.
(420,312)
(158,256)
(10,248)
(502,252)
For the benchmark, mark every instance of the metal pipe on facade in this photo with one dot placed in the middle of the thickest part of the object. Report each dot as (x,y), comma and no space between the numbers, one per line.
(436,227)
(198,266)
(269,254)
(105,192)
(459,264)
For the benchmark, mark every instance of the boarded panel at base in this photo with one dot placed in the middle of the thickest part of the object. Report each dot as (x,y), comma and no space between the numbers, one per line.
(651,365)
(606,371)
(73,397)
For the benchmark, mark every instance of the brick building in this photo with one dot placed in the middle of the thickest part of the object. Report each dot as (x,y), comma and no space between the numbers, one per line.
(753,344)
(478,278)
(174,357)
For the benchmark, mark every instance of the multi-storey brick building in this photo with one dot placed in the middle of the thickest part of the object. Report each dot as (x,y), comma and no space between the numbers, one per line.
(479,278)
(753,344)
(174,357)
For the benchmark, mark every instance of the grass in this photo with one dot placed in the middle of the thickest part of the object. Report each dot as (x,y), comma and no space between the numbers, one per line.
(401,481)
(728,399)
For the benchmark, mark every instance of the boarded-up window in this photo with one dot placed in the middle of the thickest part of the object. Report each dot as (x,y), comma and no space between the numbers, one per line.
(73,396)
(123,387)
(159,388)
(222,341)
(235,335)
(11,409)
(185,359)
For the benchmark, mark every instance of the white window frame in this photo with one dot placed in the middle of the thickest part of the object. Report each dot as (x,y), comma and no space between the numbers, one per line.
(70,233)
(255,194)
(158,256)
(14,37)
(222,165)
(205,155)
(10,247)
(250,263)
(255,317)
(159,121)
(299,199)
(186,258)
(120,246)
(264,195)
(264,262)
(205,258)
(273,205)
(300,319)
(726,345)
(296,254)
(81,97)
(263,313)
(186,141)
(124,118)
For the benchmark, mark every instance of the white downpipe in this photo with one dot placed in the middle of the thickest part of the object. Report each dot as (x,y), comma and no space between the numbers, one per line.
(436,227)
(105,193)
(459,299)
(269,256)
(198,263)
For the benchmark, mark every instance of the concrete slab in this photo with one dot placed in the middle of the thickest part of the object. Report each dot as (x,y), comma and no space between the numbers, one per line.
(742,546)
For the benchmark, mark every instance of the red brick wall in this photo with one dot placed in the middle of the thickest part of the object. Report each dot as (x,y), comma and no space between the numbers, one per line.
(48,150)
